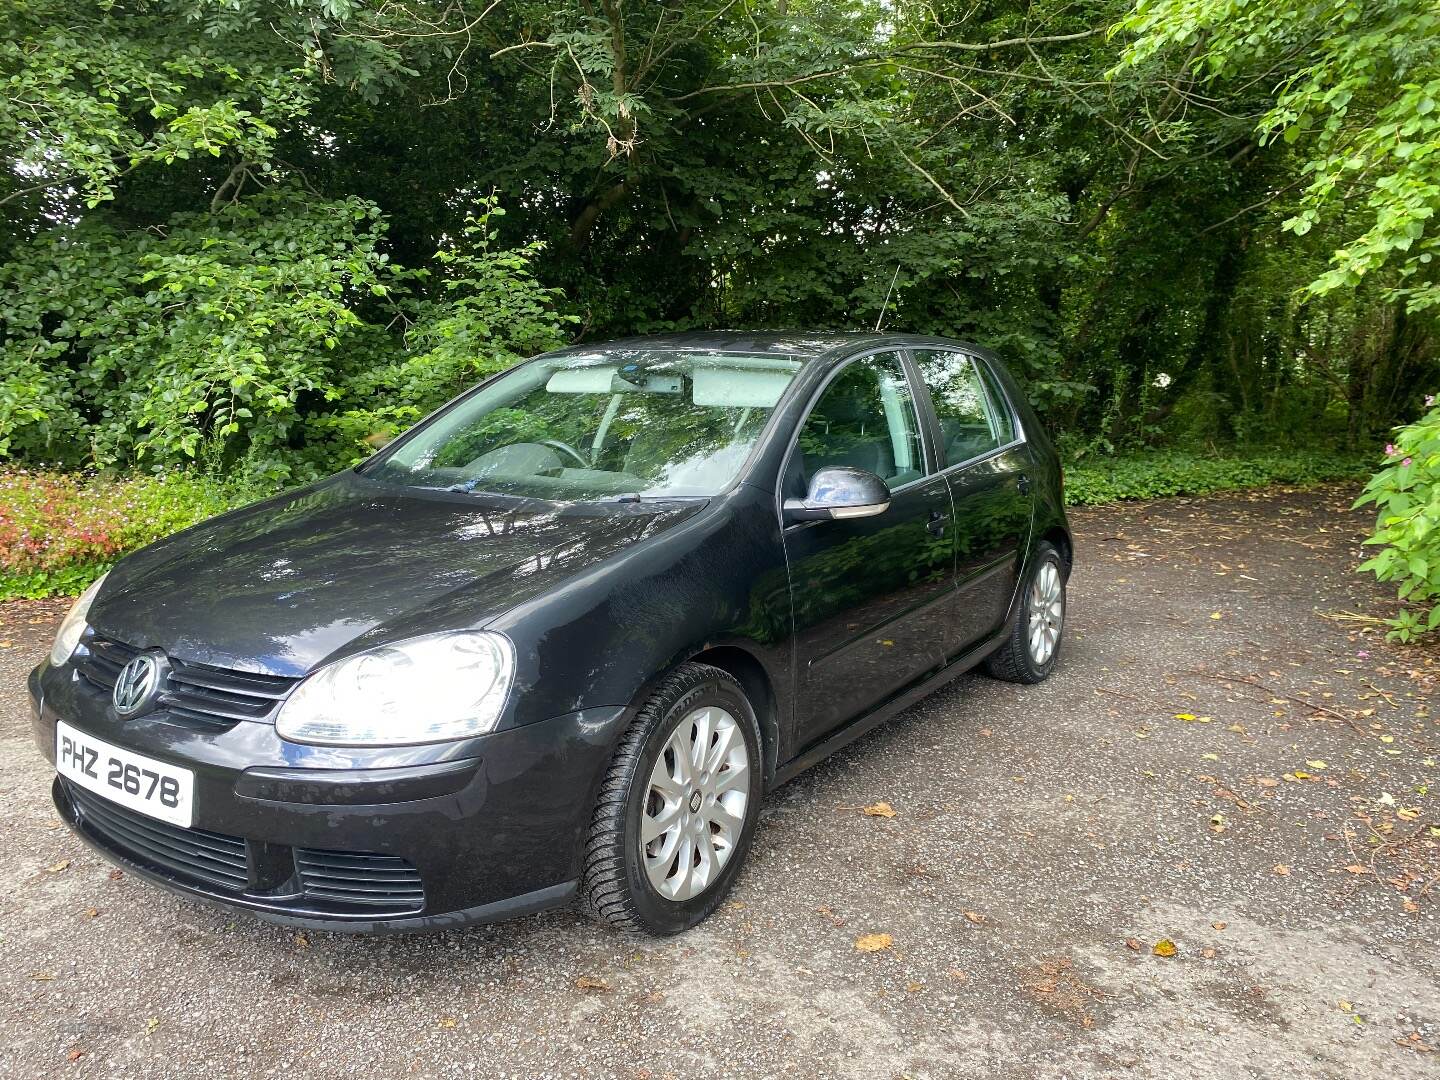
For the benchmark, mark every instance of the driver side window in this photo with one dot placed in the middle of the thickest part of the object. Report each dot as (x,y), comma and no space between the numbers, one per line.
(865,418)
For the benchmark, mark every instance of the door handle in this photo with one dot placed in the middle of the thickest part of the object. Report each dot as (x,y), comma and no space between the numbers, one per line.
(936,524)
(1022,484)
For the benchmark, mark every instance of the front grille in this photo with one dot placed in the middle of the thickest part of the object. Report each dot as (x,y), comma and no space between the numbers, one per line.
(351,877)
(193,854)
(214,696)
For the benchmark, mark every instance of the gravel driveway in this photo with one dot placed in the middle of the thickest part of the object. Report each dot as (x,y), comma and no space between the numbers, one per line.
(1222,762)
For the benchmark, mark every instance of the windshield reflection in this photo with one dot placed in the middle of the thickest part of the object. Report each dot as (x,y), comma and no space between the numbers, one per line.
(607,424)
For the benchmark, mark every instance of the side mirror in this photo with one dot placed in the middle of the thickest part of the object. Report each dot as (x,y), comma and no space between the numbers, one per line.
(839,491)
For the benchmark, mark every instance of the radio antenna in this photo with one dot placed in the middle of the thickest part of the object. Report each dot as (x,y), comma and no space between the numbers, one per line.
(883,307)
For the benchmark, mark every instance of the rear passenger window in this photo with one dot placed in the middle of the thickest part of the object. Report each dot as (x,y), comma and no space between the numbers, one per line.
(972,419)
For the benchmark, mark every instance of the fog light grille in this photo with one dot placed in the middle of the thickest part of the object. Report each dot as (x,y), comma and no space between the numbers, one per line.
(361,878)
(192,854)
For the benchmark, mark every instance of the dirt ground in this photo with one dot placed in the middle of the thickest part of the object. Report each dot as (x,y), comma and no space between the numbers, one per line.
(1224,765)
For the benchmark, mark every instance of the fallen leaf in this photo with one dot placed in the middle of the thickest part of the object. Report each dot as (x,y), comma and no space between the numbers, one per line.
(1134,944)
(1208,954)
(1280,869)
(75,1054)
(1317,765)
(302,941)
(1219,925)
(42,976)
(914,987)
(1344,1005)
(1187,717)
(879,809)
(447,1021)
(91,912)
(1356,868)
(591,982)
(116,875)
(873,942)
(975,917)
(985,731)
(1217,824)
(151,1024)
(56,868)
(1164,947)
(1268,782)
(1216,615)
(1408,813)
(831,914)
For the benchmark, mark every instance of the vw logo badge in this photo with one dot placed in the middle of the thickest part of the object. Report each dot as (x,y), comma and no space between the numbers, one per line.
(138,685)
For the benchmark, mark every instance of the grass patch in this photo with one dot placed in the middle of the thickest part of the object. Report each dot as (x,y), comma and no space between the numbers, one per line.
(1095,481)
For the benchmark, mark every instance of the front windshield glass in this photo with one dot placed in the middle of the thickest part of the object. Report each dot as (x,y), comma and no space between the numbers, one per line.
(599,425)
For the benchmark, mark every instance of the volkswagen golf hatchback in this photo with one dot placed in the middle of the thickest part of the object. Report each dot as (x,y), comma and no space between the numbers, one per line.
(558,640)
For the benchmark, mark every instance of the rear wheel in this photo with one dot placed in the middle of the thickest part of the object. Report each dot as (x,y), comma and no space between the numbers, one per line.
(1029,652)
(677,806)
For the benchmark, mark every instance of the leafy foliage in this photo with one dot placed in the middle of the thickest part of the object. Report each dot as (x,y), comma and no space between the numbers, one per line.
(246,338)
(1406,495)
(1361,95)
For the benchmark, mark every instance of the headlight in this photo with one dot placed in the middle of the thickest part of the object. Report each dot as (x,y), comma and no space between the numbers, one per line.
(73,626)
(441,686)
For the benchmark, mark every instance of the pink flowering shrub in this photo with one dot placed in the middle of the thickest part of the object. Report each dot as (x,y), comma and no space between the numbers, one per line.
(59,531)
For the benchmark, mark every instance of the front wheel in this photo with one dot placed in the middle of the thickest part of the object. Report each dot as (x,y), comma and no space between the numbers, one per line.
(677,807)
(1028,654)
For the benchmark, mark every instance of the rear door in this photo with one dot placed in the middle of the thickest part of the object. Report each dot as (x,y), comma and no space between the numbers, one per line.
(873,598)
(985,461)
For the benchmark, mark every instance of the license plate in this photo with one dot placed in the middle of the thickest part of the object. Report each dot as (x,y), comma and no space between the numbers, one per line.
(133,780)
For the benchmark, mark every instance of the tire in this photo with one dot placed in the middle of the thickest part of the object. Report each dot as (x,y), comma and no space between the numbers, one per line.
(1019,659)
(645,889)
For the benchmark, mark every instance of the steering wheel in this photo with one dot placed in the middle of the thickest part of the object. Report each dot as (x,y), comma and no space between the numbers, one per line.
(556,444)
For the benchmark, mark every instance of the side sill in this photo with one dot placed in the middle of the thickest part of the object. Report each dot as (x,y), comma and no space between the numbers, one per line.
(863,725)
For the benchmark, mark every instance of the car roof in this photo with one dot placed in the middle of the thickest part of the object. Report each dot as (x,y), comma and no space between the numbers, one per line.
(800,344)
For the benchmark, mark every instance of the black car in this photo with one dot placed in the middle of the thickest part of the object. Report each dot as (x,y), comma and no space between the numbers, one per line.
(559,639)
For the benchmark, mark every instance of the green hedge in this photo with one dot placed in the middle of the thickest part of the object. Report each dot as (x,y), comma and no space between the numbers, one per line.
(1096,481)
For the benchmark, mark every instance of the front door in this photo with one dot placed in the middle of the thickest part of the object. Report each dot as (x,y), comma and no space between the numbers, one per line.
(873,598)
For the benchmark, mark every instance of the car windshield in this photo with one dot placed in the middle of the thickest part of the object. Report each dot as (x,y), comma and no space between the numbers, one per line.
(648,423)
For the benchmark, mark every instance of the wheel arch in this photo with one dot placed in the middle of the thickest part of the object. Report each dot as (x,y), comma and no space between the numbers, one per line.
(759,689)
(1060,537)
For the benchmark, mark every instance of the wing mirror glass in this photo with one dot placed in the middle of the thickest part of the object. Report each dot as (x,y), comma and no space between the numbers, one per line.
(839,491)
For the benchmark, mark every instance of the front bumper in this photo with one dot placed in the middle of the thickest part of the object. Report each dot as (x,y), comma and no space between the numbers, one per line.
(493,826)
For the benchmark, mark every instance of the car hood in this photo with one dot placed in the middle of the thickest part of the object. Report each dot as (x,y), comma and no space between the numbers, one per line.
(283,585)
